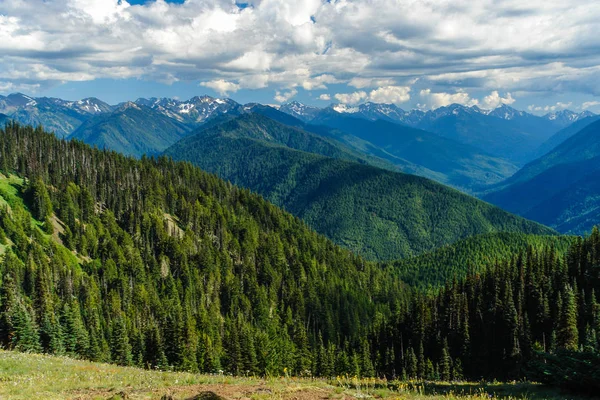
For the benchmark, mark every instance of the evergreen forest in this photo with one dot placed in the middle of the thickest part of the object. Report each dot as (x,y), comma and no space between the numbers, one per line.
(158,264)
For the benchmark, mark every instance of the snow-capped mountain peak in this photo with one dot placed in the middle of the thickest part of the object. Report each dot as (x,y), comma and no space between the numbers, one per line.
(195,110)
(506,112)
(300,110)
(566,117)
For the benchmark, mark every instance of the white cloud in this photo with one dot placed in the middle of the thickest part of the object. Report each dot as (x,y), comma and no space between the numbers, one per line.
(221,86)
(361,83)
(590,104)
(325,97)
(386,94)
(540,46)
(440,99)
(494,100)
(550,108)
(283,97)
(257,81)
(351,98)
(390,95)
(12,87)
(319,82)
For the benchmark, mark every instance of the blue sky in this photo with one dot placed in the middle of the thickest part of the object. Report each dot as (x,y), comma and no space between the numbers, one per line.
(538,55)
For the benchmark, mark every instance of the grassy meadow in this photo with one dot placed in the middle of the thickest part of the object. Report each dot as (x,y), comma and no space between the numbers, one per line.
(32,376)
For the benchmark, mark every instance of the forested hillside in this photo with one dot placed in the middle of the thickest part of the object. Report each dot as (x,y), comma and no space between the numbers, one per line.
(158,264)
(496,323)
(473,255)
(380,214)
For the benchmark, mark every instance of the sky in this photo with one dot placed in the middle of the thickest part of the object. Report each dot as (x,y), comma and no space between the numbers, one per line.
(535,55)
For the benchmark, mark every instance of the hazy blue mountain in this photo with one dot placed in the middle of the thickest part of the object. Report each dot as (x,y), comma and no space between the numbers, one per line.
(367,151)
(506,133)
(565,118)
(131,129)
(376,212)
(452,162)
(560,188)
(12,102)
(301,111)
(565,133)
(57,115)
(51,113)
(503,132)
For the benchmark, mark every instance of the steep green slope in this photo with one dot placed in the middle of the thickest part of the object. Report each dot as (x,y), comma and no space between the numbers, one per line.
(259,127)
(559,189)
(377,213)
(576,208)
(456,164)
(159,264)
(475,254)
(131,129)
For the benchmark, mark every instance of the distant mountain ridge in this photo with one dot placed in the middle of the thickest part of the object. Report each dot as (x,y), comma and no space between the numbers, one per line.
(498,141)
(60,116)
(131,129)
(501,132)
(198,109)
(194,111)
(453,163)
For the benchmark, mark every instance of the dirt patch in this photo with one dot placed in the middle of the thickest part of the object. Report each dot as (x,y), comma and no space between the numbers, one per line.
(213,392)
(172,226)
(58,228)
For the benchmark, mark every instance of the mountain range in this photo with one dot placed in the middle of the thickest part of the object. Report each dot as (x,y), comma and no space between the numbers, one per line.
(57,115)
(446,160)
(375,212)
(477,151)
(501,132)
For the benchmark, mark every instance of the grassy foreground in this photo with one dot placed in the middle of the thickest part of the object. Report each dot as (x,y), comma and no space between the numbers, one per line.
(31,376)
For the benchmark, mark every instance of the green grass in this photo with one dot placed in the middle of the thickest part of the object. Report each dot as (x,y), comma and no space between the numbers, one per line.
(10,194)
(31,376)
(10,188)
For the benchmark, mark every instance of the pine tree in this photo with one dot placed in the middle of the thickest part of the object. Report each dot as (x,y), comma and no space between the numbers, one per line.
(567,334)
(40,199)
(411,363)
(120,347)
(446,363)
